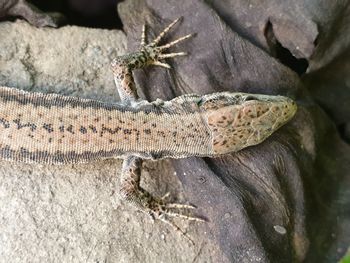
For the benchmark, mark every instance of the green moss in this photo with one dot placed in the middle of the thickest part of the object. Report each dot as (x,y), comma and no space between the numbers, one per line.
(346,258)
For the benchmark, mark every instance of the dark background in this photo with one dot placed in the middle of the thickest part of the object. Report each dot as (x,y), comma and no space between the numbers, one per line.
(94,13)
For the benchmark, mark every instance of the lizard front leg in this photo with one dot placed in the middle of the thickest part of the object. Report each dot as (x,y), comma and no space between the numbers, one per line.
(130,190)
(149,54)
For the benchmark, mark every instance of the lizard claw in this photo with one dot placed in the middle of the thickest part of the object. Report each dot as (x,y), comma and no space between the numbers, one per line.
(154,53)
(158,209)
(163,33)
(161,64)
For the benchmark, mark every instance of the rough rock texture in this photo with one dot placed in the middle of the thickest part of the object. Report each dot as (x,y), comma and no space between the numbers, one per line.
(23,9)
(73,213)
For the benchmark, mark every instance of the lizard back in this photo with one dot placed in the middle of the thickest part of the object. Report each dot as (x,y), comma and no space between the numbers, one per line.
(51,128)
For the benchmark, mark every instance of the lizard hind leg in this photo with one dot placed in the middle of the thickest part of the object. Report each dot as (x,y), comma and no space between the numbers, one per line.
(157,208)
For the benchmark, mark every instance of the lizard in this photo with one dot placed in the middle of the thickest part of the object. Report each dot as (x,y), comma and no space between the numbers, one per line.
(57,129)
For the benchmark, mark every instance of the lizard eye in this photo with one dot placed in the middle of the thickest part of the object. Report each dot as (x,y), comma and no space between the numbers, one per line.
(200,102)
(249,97)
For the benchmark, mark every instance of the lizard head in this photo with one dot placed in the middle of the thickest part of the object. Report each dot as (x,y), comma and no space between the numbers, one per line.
(239,120)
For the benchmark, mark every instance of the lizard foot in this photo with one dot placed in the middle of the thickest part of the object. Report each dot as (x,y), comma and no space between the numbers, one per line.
(149,54)
(158,208)
(154,53)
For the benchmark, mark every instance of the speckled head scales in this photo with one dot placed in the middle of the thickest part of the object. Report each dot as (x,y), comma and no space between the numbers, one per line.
(238,120)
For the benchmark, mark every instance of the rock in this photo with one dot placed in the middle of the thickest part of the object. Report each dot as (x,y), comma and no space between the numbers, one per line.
(23,9)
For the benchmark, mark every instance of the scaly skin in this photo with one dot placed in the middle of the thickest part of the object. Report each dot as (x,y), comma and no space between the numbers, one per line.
(54,129)
(47,128)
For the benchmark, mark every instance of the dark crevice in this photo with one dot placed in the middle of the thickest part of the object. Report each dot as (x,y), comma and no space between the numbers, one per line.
(283,54)
(87,13)
(344,131)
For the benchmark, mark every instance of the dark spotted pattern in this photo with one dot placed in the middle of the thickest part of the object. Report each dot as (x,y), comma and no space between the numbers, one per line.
(70,129)
(83,130)
(20,125)
(247,122)
(49,127)
(5,123)
(55,129)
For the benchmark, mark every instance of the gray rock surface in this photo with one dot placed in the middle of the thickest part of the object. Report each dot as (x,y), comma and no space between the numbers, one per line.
(73,213)
(23,9)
